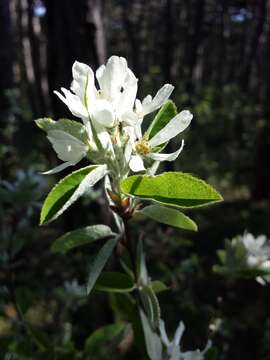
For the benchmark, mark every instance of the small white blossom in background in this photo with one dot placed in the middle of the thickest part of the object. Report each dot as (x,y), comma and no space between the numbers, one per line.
(112,117)
(174,348)
(258,254)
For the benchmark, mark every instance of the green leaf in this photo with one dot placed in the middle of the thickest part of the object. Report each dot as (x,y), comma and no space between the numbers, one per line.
(171,188)
(68,190)
(141,264)
(71,127)
(151,304)
(99,263)
(80,237)
(170,217)
(114,282)
(105,334)
(158,286)
(40,337)
(24,298)
(163,117)
(211,354)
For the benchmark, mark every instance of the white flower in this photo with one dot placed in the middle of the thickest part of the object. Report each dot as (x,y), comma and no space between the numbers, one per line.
(258,254)
(112,103)
(256,247)
(173,347)
(144,148)
(103,110)
(118,85)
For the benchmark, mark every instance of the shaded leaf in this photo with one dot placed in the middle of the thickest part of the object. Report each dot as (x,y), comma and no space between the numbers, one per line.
(169,216)
(99,263)
(158,286)
(114,282)
(151,304)
(104,334)
(80,237)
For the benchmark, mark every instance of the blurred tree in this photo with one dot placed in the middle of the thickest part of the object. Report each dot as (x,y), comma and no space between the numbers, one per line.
(6,55)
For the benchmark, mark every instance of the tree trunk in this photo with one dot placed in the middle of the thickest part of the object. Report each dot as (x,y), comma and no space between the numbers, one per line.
(6,56)
(255,41)
(95,18)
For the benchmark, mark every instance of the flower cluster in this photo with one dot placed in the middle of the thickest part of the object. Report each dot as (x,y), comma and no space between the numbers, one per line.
(112,116)
(257,254)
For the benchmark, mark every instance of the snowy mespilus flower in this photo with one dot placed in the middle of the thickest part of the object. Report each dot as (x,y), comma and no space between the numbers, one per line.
(111,118)
(173,347)
(258,254)
(144,148)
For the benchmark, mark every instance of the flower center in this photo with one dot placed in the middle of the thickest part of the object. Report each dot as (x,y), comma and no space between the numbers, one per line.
(142,147)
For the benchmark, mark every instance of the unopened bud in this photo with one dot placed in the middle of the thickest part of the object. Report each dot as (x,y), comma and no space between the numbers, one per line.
(125,203)
(114,197)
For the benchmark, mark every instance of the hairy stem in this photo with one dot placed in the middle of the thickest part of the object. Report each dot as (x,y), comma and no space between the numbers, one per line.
(130,247)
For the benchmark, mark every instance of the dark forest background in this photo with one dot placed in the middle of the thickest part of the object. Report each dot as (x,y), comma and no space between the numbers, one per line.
(217,55)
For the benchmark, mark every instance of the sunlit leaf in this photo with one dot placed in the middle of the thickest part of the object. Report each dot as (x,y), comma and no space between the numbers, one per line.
(171,188)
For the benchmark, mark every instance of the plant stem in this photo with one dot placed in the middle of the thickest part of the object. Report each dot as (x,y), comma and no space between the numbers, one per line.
(130,247)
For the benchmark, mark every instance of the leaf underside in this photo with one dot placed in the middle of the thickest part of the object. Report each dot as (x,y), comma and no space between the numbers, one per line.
(62,192)
(80,237)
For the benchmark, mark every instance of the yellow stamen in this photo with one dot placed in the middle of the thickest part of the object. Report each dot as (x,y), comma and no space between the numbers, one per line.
(142,147)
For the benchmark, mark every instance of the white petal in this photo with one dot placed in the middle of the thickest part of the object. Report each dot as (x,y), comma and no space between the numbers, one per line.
(261,280)
(179,333)
(160,98)
(128,151)
(128,92)
(178,124)
(60,167)
(136,163)
(67,147)
(138,106)
(129,118)
(130,134)
(163,333)
(83,83)
(192,355)
(73,102)
(167,157)
(147,100)
(112,76)
(103,113)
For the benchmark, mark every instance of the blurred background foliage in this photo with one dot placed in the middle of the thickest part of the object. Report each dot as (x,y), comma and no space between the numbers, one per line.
(216,53)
